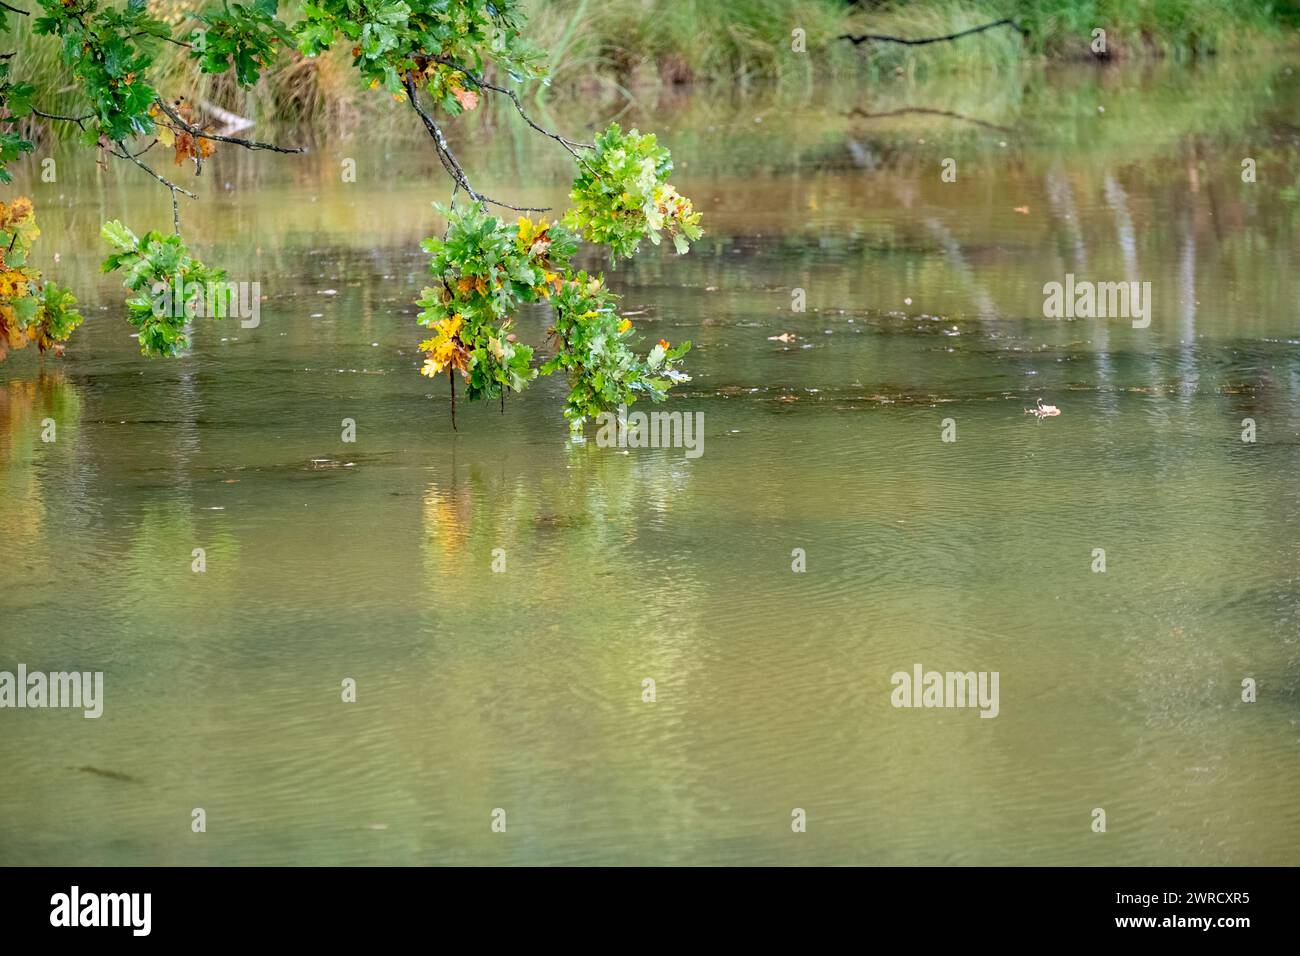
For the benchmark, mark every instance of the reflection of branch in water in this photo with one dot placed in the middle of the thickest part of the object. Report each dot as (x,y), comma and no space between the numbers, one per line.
(926,111)
(960,265)
(881,38)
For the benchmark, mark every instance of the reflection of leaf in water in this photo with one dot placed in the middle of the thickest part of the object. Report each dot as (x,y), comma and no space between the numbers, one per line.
(24,405)
(446,517)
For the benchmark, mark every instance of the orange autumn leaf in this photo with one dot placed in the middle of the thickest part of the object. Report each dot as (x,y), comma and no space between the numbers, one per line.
(467,99)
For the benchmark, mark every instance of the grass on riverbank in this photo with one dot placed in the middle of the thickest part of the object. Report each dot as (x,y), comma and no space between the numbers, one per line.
(625,45)
(737,40)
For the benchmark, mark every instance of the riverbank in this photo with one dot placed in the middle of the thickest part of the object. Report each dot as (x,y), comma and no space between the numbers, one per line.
(624,47)
(673,41)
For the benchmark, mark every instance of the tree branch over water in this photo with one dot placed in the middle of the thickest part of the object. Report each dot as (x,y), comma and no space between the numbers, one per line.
(123,153)
(79,120)
(478,81)
(448,158)
(218,137)
(881,38)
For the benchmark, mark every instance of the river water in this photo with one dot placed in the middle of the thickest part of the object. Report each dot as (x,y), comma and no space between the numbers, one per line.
(523,690)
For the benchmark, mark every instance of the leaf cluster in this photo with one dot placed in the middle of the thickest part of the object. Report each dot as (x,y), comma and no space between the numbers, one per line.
(109,50)
(593,346)
(622,195)
(486,270)
(31,312)
(156,264)
(15,103)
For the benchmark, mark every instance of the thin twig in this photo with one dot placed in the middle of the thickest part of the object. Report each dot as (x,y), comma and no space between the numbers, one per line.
(176,214)
(163,36)
(478,81)
(448,158)
(451,377)
(152,144)
(79,120)
(12,9)
(1005,21)
(451,205)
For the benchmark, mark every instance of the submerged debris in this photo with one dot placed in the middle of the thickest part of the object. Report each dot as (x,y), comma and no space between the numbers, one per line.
(1043,411)
(110,774)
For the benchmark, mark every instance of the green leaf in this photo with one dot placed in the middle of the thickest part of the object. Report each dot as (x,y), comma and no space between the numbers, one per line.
(120,236)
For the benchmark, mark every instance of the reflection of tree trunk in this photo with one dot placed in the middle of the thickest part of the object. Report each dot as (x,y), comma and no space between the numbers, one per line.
(1060,196)
(957,260)
(862,156)
(1211,194)
(1117,200)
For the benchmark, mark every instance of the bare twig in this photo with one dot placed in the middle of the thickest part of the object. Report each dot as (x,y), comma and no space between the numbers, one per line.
(448,158)
(13,9)
(122,153)
(451,204)
(163,36)
(79,120)
(1005,21)
(237,141)
(152,144)
(478,81)
(451,377)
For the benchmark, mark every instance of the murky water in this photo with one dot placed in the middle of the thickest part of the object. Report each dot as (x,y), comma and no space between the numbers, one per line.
(523,690)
